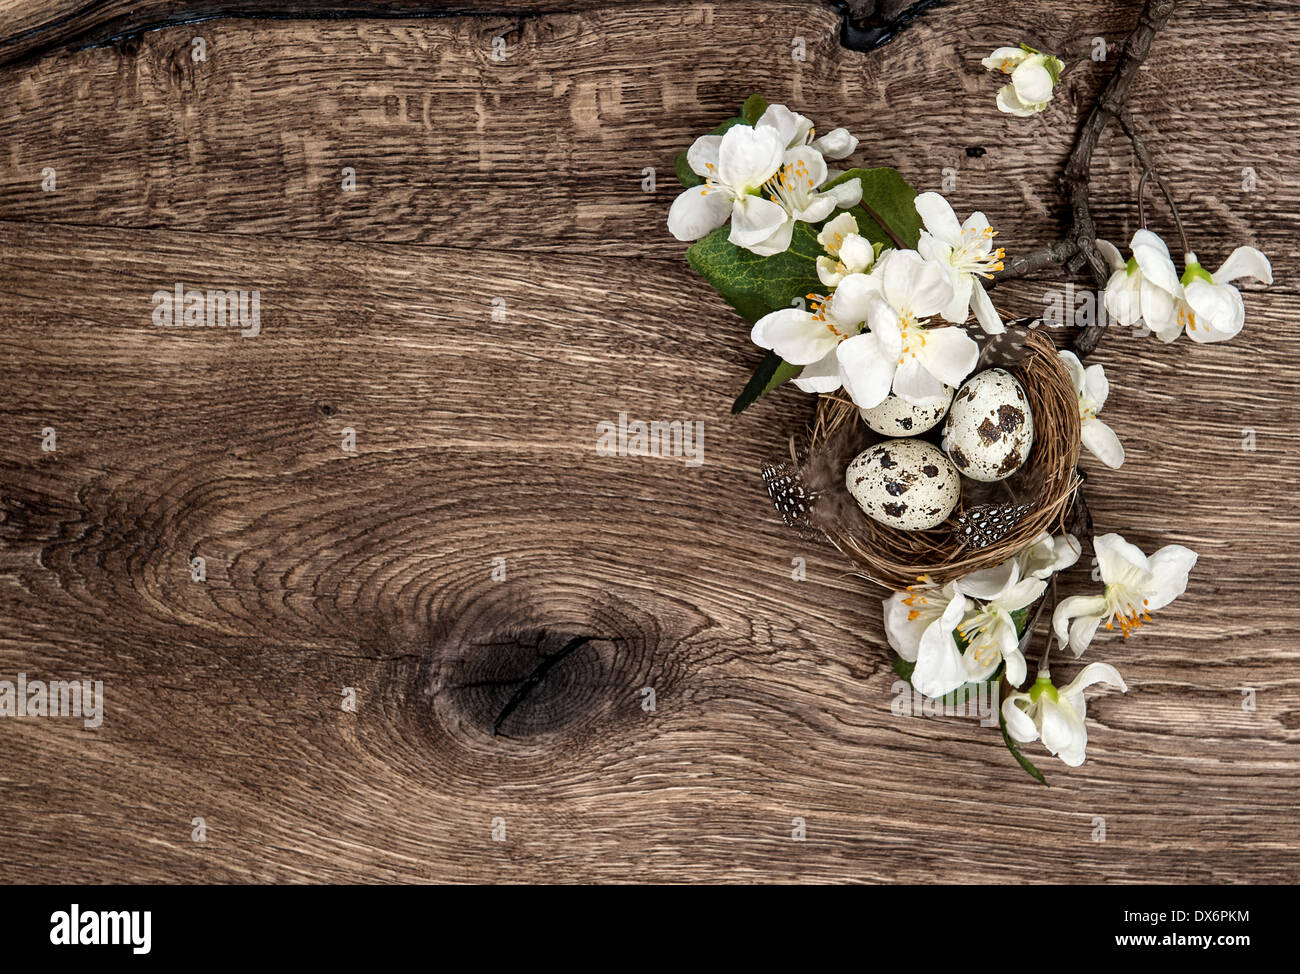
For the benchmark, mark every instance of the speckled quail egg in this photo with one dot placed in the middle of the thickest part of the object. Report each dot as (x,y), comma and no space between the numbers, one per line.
(990,428)
(898,417)
(906,484)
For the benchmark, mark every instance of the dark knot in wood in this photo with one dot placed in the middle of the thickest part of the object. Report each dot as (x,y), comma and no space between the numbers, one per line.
(869,24)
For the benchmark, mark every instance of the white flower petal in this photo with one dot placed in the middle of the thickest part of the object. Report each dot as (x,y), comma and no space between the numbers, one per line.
(1170,567)
(821,376)
(851,302)
(1124,297)
(958,307)
(811,160)
(1004,59)
(985,313)
(703,155)
(1116,557)
(795,335)
(1215,308)
(949,354)
(830,271)
(1102,443)
(913,383)
(1082,630)
(697,212)
(866,370)
(1010,103)
(1158,309)
(1024,593)
(1095,385)
(1094,673)
(988,584)
(1077,607)
(1075,367)
(778,242)
(833,235)
(1153,258)
(938,662)
(790,127)
(754,219)
(836,144)
(1019,724)
(938,216)
(821,206)
(1244,262)
(1110,253)
(1016,670)
(749,157)
(857,252)
(1063,732)
(901,630)
(931,287)
(1032,81)
(846,194)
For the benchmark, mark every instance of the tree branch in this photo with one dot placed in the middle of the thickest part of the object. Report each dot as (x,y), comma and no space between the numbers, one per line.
(1079,248)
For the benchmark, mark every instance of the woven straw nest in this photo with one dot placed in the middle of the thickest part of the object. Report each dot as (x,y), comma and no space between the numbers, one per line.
(1045,485)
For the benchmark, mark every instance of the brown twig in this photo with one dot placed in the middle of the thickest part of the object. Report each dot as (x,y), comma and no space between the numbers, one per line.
(1079,247)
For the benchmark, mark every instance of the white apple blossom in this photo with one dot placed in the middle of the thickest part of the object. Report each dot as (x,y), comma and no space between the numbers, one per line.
(796,188)
(967,251)
(920,625)
(1135,586)
(812,336)
(735,167)
(990,632)
(1033,78)
(1149,288)
(850,252)
(796,130)
(1159,290)
(1046,555)
(1057,714)
(1123,294)
(1211,308)
(1091,388)
(899,353)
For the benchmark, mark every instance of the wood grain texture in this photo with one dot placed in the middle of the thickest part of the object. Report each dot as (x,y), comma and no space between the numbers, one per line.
(520,180)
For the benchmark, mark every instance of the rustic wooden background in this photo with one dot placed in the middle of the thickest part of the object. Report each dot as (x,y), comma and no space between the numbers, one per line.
(521,179)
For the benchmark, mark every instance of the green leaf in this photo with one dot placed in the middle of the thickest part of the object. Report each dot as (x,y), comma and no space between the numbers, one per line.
(771,372)
(888,207)
(755,285)
(685,174)
(903,668)
(1023,761)
(755,106)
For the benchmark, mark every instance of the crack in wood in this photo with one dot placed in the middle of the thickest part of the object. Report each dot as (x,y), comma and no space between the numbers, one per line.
(534,678)
(101,23)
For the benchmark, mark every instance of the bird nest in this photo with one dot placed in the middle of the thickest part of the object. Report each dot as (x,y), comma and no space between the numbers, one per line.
(990,523)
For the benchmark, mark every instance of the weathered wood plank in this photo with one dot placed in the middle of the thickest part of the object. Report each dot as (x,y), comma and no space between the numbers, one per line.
(546,149)
(475,441)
